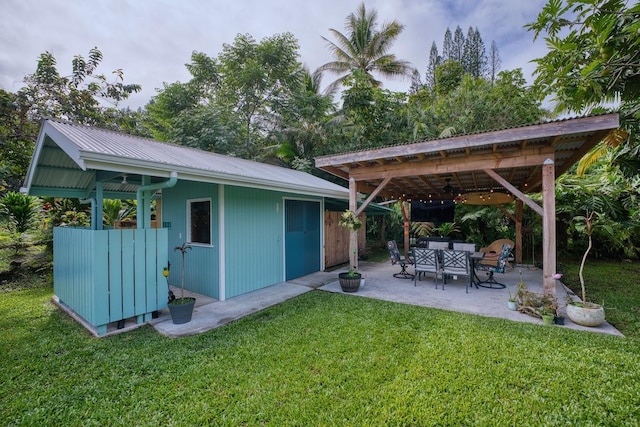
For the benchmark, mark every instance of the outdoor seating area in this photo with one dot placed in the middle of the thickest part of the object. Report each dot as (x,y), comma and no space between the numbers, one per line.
(445,259)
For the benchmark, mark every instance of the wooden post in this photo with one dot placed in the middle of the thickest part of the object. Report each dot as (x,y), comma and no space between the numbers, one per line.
(405,216)
(519,208)
(353,235)
(548,228)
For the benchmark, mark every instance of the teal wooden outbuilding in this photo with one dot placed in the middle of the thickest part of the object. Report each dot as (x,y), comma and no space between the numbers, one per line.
(251,225)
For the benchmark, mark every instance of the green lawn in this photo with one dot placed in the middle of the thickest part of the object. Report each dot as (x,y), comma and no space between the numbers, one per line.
(319,359)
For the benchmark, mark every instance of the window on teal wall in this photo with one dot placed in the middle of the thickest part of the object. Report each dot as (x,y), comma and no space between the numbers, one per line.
(199,221)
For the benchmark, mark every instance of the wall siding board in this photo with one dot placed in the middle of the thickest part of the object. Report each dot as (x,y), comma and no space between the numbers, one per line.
(254,244)
(337,239)
(201,262)
(254,239)
(100,289)
(115,276)
(88,280)
(140,274)
(128,274)
(162,257)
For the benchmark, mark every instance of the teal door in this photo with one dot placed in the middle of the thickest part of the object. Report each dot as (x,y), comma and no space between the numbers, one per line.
(302,238)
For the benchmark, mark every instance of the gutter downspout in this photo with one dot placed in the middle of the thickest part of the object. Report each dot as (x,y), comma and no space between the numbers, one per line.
(141,217)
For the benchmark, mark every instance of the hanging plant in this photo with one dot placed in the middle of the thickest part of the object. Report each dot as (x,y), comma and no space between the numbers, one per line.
(349,220)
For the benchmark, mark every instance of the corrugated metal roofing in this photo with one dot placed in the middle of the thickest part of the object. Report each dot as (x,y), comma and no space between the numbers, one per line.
(65,149)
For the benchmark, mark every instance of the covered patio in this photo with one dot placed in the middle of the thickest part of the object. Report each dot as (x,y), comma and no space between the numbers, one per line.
(512,163)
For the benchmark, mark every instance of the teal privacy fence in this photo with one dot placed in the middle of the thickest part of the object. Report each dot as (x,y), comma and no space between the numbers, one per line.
(106,276)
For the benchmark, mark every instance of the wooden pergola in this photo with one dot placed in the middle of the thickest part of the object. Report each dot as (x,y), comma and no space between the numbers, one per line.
(516,161)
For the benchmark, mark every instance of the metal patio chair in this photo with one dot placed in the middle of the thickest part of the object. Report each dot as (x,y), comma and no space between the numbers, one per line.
(396,258)
(494,265)
(456,263)
(426,261)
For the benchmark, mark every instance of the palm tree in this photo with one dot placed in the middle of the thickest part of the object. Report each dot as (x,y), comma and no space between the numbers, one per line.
(364,48)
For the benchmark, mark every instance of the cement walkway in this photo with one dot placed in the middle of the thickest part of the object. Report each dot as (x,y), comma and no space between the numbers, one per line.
(379,283)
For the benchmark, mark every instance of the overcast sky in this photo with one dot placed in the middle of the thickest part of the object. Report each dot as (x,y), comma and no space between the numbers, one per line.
(151,40)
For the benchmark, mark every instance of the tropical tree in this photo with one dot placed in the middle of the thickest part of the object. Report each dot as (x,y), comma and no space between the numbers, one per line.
(365,48)
(20,210)
(370,116)
(256,80)
(80,97)
(594,61)
(232,102)
(301,131)
(76,97)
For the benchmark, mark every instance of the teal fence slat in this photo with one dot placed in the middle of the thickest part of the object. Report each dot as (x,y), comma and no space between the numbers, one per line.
(140,273)
(128,299)
(115,277)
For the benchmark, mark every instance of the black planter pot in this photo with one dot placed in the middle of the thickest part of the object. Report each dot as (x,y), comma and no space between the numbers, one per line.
(349,282)
(558,320)
(181,311)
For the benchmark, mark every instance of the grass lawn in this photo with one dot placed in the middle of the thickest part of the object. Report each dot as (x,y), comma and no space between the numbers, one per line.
(319,359)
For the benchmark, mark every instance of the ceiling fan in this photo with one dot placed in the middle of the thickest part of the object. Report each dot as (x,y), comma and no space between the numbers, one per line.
(448,188)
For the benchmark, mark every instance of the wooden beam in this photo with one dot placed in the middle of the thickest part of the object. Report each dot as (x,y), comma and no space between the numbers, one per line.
(372,196)
(519,194)
(454,164)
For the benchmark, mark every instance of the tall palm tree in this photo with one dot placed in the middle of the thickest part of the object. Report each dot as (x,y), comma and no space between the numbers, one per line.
(365,48)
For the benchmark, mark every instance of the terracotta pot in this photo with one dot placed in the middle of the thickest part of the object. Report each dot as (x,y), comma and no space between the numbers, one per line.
(591,315)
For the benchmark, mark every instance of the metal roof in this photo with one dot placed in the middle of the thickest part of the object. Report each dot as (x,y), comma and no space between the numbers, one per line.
(70,158)
(447,167)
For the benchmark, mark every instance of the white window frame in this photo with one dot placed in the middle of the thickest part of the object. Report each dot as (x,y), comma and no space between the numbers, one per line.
(189,237)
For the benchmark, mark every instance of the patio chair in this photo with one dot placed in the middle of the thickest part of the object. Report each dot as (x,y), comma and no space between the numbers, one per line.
(496,265)
(396,258)
(425,261)
(493,251)
(456,263)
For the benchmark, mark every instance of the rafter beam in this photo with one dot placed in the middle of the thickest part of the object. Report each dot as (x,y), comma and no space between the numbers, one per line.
(451,165)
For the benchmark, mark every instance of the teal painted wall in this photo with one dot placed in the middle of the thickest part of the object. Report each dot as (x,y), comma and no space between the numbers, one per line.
(201,262)
(254,239)
(254,249)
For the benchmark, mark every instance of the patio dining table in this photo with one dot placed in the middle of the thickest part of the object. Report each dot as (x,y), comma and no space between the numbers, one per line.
(473,257)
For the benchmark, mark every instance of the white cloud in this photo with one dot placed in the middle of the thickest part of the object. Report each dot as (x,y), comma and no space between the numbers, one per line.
(152,40)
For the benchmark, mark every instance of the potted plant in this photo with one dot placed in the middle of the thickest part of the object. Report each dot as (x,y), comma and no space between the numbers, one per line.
(350,220)
(558,318)
(350,281)
(583,312)
(512,302)
(547,316)
(181,309)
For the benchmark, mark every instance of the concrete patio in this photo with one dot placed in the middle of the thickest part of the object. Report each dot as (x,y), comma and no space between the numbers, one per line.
(380,284)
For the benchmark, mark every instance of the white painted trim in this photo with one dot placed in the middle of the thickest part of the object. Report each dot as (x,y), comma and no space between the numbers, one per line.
(222,270)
